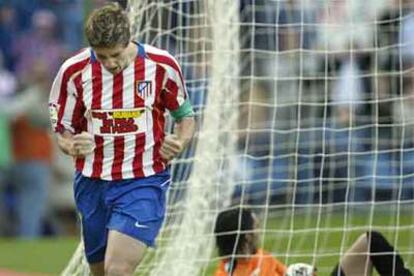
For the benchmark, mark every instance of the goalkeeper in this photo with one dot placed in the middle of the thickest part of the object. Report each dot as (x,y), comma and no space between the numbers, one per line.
(236,234)
(255,261)
(107,107)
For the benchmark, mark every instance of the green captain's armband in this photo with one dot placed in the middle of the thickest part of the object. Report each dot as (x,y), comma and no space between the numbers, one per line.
(185,110)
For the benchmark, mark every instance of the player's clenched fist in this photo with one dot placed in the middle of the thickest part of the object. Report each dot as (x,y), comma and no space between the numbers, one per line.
(78,145)
(171,147)
(83,144)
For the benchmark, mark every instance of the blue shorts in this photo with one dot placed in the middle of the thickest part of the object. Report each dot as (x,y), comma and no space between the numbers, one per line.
(135,207)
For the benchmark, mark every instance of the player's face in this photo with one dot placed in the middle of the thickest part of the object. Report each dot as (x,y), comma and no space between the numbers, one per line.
(114,59)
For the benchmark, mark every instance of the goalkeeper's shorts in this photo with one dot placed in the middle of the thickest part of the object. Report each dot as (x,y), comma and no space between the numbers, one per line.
(134,207)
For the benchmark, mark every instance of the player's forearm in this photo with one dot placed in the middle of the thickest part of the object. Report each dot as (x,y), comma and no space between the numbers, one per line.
(184,129)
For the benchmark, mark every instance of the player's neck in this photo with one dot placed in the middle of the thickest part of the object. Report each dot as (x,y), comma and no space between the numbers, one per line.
(131,52)
(248,251)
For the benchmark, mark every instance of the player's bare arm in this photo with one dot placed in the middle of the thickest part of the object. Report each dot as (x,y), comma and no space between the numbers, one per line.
(175,143)
(78,145)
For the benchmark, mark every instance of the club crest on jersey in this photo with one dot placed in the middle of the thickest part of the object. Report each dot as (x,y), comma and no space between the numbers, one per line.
(144,89)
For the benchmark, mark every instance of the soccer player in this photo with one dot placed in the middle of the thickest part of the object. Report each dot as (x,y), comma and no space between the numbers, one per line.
(236,235)
(107,107)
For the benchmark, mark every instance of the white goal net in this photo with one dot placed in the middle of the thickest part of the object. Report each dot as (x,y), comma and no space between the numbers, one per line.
(305,114)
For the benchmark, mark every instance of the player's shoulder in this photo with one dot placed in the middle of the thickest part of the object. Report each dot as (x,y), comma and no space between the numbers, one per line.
(160,56)
(152,50)
(79,59)
(267,256)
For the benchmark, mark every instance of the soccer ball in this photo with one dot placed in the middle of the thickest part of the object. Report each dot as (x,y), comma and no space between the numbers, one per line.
(300,269)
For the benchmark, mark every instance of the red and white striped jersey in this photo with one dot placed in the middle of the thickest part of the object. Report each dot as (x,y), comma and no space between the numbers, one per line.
(124,112)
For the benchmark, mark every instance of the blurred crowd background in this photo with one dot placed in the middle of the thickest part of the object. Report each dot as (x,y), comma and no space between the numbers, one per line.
(35,179)
(326,113)
(328,101)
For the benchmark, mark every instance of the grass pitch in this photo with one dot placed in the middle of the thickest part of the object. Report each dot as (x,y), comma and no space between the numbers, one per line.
(43,256)
(315,235)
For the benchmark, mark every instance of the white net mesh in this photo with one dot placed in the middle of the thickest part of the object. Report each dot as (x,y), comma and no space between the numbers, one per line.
(305,114)
(204,39)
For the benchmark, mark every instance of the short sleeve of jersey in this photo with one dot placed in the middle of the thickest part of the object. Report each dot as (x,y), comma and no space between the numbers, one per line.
(65,108)
(175,93)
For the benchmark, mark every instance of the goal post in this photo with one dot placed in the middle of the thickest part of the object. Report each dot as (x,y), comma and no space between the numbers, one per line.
(212,27)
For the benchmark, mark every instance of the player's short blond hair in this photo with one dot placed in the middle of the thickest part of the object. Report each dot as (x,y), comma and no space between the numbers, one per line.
(107,27)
